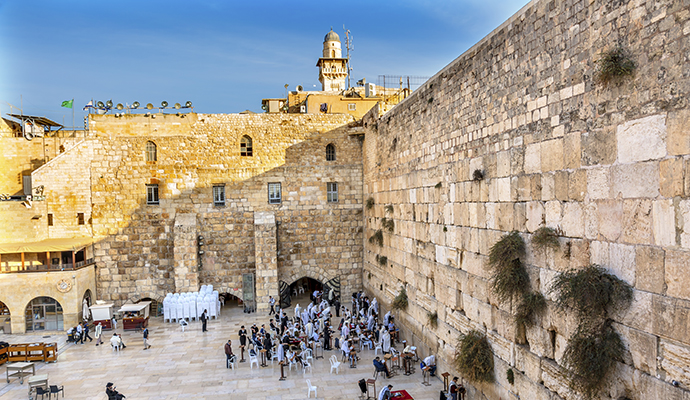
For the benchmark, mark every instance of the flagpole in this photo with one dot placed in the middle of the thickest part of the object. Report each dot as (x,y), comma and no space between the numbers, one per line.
(73,127)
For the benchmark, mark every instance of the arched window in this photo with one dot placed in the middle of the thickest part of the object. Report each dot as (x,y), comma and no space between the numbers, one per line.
(246,146)
(5,319)
(330,152)
(151,152)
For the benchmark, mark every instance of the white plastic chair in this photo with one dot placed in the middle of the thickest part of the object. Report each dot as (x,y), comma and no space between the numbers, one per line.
(183,324)
(311,389)
(301,289)
(252,361)
(292,361)
(364,342)
(306,355)
(335,364)
(305,365)
(378,346)
(232,362)
(274,356)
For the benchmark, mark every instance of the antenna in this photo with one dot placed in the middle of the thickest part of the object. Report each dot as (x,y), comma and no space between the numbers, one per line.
(349,47)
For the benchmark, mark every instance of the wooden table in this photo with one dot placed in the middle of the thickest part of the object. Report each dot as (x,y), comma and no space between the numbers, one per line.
(21,370)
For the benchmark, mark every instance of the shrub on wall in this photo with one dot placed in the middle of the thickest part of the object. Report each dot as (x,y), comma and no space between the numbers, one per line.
(509,278)
(544,238)
(474,358)
(433,318)
(377,238)
(613,65)
(388,224)
(533,305)
(370,203)
(400,301)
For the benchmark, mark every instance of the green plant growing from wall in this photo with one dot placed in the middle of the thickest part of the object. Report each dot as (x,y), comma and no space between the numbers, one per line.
(544,238)
(433,318)
(389,209)
(477,175)
(388,224)
(474,358)
(509,278)
(439,185)
(370,203)
(594,348)
(377,238)
(591,292)
(510,376)
(382,260)
(590,356)
(533,305)
(400,301)
(613,66)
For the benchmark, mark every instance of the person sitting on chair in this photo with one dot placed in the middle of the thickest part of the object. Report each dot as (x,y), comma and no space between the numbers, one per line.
(112,393)
(381,366)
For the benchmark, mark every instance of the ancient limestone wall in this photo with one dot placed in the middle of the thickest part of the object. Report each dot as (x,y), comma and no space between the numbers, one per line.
(606,165)
(145,250)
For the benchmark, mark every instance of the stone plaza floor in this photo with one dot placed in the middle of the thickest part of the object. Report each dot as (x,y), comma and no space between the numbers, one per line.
(191,365)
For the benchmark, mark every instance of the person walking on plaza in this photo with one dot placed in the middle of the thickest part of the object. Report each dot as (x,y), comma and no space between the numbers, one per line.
(203,318)
(146,339)
(272,303)
(112,393)
(99,332)
(80,332)
(86,331)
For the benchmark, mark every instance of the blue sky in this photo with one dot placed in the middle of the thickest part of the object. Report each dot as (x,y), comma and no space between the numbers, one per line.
(224,56)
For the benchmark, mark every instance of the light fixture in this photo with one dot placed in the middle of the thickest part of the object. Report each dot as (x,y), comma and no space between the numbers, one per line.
(109,103)
(164,104)
(188,104)
(135,105)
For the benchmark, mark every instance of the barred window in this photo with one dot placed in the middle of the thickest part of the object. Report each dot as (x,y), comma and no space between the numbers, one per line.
(151,152)
(152,194)
(246,146)
(219,195)
(330,152)
(274,196)
(332,192)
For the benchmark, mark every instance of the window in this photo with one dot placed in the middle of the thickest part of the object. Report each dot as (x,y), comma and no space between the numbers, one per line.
(351,106)
(151,152)
(330,152)
(50,219)
(332,192)
(274,193)
(246,146)
(152,194)
(80,218)
(219,195)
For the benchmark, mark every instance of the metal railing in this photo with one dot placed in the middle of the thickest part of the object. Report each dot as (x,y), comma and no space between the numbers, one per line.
(7,267)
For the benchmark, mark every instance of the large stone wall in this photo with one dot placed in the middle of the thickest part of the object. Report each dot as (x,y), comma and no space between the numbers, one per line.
(148,250)
(606,165)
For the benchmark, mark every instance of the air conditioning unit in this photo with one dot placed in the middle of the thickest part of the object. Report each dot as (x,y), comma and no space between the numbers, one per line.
(370,90)
(303,109)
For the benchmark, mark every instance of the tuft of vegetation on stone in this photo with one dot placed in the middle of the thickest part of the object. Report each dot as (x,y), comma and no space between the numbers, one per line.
(509,278)
(474,358)
(389,209)
(613,65)
(439,185)
(590,357)
(591,292)
(388,224)
(370,203)
(377,238)
(544,238)
(477,175)
(533,305)
(510,376)
(433,318)
(382,260)
(400,301)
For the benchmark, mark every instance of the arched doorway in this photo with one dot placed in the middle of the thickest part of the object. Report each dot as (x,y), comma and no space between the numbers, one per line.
(43,314)
(5,319)
(230,300)
(86,302)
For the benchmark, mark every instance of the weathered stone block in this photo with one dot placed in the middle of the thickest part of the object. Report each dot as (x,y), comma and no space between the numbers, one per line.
(535,215)
(573,219)
(650,275)
(533,158)
(664,223)
(577,185)
(671,177)
(599,147)
(572,152)
(677,274)
(635,180)
(561,185)
(678,139)
(610,219)
(637,221)
(642,139)
(551,155)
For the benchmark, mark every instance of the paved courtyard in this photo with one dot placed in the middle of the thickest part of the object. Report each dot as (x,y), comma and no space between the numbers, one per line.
(191,365)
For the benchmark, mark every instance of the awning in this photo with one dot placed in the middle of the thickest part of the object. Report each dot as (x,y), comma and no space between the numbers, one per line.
(36,119)
(71,244)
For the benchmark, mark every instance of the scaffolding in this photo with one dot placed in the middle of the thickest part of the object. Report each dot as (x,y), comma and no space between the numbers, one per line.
(398,87)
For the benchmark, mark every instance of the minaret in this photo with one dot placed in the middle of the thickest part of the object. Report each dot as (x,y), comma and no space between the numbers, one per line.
(332,66)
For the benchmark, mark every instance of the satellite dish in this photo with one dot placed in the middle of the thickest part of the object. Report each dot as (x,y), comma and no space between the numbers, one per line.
(177,106)
(109,103)
(300,88)
(188,104)
(119,106)
(149,106)
(100,104)
(164,104)
(135,104)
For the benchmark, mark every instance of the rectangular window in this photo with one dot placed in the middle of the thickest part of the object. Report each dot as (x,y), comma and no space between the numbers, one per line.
(50,219)
(274,193)
(26,184)
(332,192)
(219,195)
(351,106)
(152,194)
(80,218)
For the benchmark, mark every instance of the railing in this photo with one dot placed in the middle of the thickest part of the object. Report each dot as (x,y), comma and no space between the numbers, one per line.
(34,266)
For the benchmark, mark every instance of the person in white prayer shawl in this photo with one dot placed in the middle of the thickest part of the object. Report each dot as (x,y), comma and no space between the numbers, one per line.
(346,329)
(387,318)
(297,310)
(385,340)
(305,317)
(309,328)
(375,304)
(370,323)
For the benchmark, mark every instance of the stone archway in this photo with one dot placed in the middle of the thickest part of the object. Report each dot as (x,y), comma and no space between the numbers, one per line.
(286,291)
(5,318)
(43,313)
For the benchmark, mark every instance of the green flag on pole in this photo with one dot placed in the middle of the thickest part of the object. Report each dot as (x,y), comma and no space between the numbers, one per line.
(67,103)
